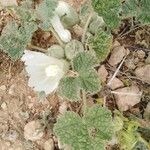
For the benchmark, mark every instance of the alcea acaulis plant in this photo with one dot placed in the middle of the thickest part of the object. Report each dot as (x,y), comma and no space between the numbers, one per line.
(68,68)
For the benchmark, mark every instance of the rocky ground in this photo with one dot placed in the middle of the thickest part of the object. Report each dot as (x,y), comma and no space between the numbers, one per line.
(27,118)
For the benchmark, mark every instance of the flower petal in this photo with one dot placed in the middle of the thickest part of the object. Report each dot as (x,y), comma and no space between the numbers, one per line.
(36,65)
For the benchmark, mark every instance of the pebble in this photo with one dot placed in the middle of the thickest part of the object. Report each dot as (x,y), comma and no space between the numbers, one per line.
(141,54)
(116,83)
(3,88)
(127,97)
(4,106)
(118,53)
(49,145)
(130,64)
(143,73)
(33,131)
(103,73)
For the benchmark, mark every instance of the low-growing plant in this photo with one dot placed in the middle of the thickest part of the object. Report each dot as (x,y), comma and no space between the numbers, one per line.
(69,67)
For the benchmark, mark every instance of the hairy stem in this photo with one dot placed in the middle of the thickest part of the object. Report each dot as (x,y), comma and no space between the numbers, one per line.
(37,48)
(86,27)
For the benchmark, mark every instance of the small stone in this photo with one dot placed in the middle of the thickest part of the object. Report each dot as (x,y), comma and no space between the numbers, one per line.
(116,44)
(33,131)
(10,135)
(117,55)
(78,30)
(141,54)
(11,90)
(24,115)
(49,145)
(127,97)
(102,73)
(4,106)
(116,83)
(143,73)
(136,61)
(130,64)
(3,88)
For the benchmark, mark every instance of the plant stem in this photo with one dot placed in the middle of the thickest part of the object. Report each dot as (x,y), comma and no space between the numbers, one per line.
(37,48)
(84,101)
(56,36)
(86,27)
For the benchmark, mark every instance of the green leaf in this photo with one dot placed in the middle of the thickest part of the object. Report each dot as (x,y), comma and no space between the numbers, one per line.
(84,77)
(68,88)
(128,8)
(108,9)
(101,44)
(70,19)
(56,51)
(84,61)
(45,11)
(140,146)
(96,24)
(73,48)
(14,39)
(100,119)
(89,81)
(137,8)
(25,11)
(88,133)
(84,12)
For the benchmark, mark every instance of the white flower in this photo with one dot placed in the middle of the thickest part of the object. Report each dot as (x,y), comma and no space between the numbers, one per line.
(44,71)
(62,8)
(63,33)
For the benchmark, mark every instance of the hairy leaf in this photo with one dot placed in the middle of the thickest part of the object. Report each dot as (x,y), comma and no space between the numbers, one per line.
(56,51)
(14,39)
(73,48)
(137,8)
(84,78)
(45,12)
(25,11)
(89,81)
(109,10)
(69,89)
(84,12)
(87,133)
(101,44)
(100,119)
(83,62)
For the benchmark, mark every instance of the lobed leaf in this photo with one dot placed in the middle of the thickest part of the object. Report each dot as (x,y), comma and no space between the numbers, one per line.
(83,62)
(109,10)
(100,119)
(25,11)
(73,48)
(88,133)
(68,88)
(137,8)
(45,11)
(101,44)
(14,39)
(89,81)
(86,78)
